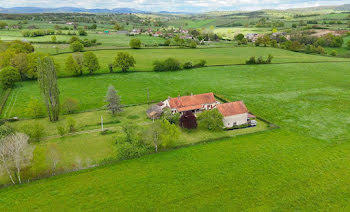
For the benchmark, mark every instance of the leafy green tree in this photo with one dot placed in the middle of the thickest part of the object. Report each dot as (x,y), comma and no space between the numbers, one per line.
(117,27)
(210,119)
(76,46)
(72,65)
(124,61)
(91,63)
(113,100)
(193,44)
(135,43)
(70,105)
(3,25)
(163,134)
(32,60)
(47,79)
(36,131)
(9,76)
(239,37)
(53,39)
(348,44)
(34,108)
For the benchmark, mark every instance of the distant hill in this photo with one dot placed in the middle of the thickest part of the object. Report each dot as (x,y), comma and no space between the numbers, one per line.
(67,10)
(345,7)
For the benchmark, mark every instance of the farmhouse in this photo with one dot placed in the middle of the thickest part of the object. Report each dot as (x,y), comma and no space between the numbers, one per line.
(235,113)
(193,103)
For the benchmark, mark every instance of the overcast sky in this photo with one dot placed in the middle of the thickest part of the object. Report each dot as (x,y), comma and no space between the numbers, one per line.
(174,5)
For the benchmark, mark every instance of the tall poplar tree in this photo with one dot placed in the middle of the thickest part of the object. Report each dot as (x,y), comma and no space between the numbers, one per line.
(47,80)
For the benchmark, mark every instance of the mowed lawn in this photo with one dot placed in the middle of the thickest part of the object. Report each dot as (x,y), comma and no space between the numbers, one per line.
(276,170)
(307,98)
(214,56)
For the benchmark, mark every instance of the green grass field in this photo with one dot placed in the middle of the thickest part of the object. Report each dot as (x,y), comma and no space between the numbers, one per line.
(214,56)
(86,149)
(276,170)
(307,98)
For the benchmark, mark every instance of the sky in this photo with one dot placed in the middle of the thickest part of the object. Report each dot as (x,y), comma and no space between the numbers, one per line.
(174,5)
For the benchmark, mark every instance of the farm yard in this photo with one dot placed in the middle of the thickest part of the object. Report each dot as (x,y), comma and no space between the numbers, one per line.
(112,143)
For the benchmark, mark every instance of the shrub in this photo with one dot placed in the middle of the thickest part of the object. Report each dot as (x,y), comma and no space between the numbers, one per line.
(250,61)
(35,131)
(135,43)
(70,105)
(334,53)
(70,124)
(169,64)
(76,46)
(193,44)
(82,32)
(187,65)
(61,130)
(200,64)
(167,42)
(9,76)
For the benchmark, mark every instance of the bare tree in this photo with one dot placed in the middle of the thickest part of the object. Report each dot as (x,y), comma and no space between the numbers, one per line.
(53,156)
(5,158)
(15,153)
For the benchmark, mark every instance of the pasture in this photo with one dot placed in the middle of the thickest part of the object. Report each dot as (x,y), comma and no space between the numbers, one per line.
(214,56)
(307,98)
(265,171)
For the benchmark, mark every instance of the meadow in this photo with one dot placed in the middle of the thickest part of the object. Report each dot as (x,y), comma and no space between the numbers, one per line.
(87,147)
(214,56)
(307,98)
(262,172)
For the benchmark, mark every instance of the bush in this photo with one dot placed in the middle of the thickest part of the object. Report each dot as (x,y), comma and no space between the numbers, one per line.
(36,131)
(135,43)
(61,130)
(187,65)
(70,105)
(9,76)
(127,150)
(169,64)
(70,124)
(334,53)
(260,60)
(82,32)
(200,64)
(76,46)
(193,44)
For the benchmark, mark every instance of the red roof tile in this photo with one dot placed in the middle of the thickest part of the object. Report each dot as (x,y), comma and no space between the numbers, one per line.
(193,100)
(232,108)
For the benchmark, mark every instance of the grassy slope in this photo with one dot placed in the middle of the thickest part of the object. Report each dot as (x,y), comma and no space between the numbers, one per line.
(269,171)
(308,98)
(214,56)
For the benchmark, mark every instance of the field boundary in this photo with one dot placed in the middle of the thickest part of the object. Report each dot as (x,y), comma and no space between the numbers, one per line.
(3,100)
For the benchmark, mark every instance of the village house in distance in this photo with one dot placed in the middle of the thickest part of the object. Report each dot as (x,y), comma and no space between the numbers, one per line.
(234,113)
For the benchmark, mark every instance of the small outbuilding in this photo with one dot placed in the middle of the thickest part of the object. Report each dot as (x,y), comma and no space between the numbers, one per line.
(234,113)
(154,112)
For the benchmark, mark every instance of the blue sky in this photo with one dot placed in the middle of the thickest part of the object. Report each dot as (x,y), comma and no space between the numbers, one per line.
(174,5)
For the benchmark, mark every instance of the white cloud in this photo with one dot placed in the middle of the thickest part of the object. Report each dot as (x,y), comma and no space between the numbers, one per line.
(174,5)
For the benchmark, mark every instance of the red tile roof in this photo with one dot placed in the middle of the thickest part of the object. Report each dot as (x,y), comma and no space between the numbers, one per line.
(232,108)
(193,101)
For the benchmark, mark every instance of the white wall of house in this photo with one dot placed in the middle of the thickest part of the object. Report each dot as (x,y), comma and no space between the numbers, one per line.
(230,121)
